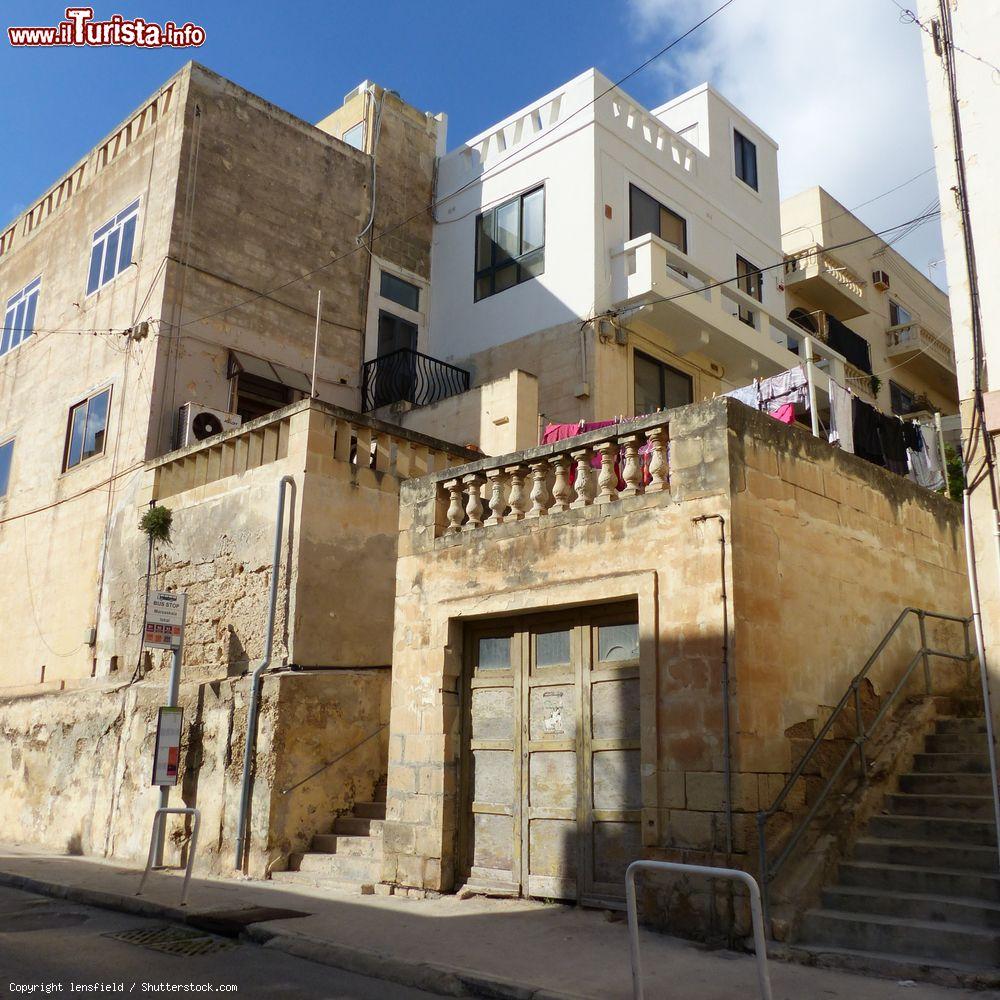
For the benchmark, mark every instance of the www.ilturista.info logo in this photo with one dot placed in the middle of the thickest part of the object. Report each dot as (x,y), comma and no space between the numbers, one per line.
(80,28)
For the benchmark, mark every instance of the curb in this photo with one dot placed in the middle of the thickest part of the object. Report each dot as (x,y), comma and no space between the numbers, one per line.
(440,979)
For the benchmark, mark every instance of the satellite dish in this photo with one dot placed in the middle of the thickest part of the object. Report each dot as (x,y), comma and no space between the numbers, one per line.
(205,425)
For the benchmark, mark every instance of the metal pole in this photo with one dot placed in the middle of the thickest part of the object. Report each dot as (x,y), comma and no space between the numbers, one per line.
(248,749)
(160,820)
(859,721)
(923,649)
(811,381)
(734,874)
(944,457)
(977,622)
(319,310)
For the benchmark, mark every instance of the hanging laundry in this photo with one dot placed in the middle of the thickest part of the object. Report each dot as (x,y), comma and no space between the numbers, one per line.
(748,395)
(841,417)
(890,430)
(925,463)
(560,432)
(787,387)
(867,443)
(785,413)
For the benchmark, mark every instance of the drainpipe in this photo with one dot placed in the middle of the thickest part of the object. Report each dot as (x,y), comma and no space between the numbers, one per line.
(977,622)
(248,750)
(726,742)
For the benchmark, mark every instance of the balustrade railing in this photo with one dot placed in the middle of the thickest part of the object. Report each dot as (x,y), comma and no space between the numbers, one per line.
(912,336)
(813,259)
(598,468)
(407,376)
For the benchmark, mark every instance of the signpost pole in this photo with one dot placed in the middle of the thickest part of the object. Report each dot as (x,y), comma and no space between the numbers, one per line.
(173,693)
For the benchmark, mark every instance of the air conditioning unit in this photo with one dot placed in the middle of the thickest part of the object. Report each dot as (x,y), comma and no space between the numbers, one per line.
(880,280)
(196,422)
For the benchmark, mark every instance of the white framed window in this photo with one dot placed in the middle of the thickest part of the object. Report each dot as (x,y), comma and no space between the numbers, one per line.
(19,316)
(87,429)
(6,458)
(111,251)
(355,136)
(745,153)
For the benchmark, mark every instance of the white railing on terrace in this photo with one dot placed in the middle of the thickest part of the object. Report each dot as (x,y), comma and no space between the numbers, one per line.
(632,118)
(513,133)
(599,468)
(914,337)
(813,260)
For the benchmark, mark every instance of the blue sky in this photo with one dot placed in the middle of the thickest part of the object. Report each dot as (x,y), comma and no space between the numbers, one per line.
(304,56)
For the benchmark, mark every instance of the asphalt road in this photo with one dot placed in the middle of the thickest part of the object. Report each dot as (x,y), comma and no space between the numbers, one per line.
(48,945)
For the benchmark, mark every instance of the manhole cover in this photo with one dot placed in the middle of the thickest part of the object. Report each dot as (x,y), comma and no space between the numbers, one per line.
(19,923)
(173,940)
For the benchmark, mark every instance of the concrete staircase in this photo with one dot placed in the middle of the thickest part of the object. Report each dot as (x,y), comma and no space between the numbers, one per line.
(923,886)
(350,858)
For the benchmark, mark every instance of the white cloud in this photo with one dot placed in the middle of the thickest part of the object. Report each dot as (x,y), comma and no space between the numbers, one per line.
(839,86)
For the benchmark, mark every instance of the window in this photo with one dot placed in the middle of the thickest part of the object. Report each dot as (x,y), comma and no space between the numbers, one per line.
(510,243)
(257,396)
(902,400)
(750,281)
(6,457)
(399,291)
(746,159)
(658,386)
(355,136)
(647,215)
(19,316)
(898,316)
(88,424)
(112,249)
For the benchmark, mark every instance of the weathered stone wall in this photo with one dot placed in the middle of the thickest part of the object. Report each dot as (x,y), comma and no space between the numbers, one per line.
(75,766)
(821,553)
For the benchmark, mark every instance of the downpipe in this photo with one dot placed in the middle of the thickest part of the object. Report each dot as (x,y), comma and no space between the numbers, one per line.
(977,623)
(249,748)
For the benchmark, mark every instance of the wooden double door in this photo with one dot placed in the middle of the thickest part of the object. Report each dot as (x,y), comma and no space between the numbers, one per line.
(551,756)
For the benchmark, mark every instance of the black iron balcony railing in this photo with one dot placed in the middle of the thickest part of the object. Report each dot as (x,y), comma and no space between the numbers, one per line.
(407,376)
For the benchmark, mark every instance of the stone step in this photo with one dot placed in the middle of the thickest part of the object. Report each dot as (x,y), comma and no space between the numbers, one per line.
(945,784)
(913,906)
(356,847)
(951,763)
(934,828)
(357,826)
(977,725)
(898,936)
(956,743)
(957,806)
(369,810)
(919,879)
(343,867)
(315,881)
(928,854)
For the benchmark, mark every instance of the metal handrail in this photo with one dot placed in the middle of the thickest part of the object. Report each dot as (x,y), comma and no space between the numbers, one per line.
(733,874)
(408,376)
(330,763)
(159,819)
(768,870)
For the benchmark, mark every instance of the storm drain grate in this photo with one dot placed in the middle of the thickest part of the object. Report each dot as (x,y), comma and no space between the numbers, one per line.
(174,940)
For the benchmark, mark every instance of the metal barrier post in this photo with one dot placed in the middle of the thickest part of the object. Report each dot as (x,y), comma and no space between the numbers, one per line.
(159,820)
(734,874)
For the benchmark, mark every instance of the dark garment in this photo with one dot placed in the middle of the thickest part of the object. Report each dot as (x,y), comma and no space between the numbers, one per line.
(854,347)
(912,436)
(893,444)
(867,441)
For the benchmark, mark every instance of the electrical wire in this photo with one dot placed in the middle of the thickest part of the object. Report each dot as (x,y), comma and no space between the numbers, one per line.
(907,16)
(470,183)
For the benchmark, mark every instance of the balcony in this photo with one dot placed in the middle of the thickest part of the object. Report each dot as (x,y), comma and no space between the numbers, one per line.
(699,314)
(925,355)
(823,281)
(407,376)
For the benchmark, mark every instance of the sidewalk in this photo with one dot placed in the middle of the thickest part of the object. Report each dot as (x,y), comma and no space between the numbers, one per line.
(498,948)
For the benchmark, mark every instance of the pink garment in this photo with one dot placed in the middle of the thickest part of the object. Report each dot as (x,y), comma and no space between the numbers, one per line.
(561,432)
(785,413)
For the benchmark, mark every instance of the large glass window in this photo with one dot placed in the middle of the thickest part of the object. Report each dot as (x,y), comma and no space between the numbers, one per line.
(399,291)
(6,457)
(750,281)
(658,386)
(111,252)
(902,400)
(510,243)
(898,316)
(647,215)
(19,316)
(746,159)
(88,424)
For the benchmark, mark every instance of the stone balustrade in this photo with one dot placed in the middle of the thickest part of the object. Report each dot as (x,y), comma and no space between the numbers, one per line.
(598,468)
(914,337)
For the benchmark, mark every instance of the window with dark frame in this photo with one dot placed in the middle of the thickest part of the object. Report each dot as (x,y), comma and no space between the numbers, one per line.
(647,215)
(6,458)
(901,400)
(87,429)
(750,281)
(658,386)
(257,396)
(746,159)
(898,316)
(398,290)
(510,243)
